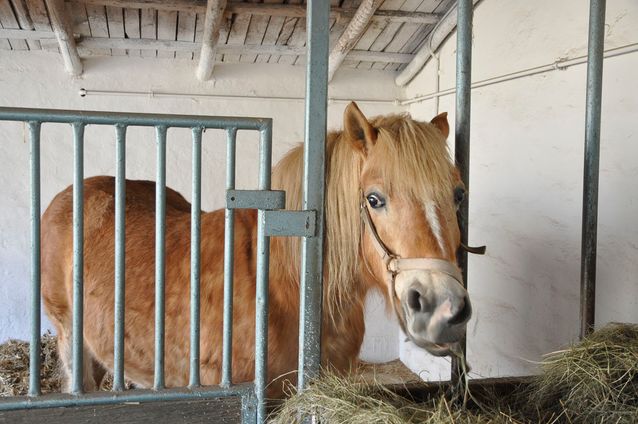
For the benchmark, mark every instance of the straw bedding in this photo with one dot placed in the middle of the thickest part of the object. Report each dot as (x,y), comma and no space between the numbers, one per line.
(14,366)
(593,381)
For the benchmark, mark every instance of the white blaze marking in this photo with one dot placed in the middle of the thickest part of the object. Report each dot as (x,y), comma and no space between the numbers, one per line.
(433,219)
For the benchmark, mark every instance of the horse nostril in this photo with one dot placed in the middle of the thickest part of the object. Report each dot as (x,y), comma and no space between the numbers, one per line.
(462,313)
(414,300)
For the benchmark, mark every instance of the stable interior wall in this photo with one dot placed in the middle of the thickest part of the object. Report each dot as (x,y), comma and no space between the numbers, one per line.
(527,145)
(37,80)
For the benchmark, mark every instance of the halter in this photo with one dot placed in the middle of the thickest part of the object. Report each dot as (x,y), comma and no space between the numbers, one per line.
(395,264)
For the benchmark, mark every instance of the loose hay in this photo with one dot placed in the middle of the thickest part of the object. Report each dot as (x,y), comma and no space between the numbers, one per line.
(336,400)
(14,366)
(594,381)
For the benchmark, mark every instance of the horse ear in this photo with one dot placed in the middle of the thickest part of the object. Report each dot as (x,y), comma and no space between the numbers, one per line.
(357,129)
(440,121)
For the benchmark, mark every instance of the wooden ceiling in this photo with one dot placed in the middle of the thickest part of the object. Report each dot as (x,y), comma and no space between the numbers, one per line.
(364,34)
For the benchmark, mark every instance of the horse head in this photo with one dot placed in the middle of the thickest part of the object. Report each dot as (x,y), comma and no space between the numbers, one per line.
(408,194)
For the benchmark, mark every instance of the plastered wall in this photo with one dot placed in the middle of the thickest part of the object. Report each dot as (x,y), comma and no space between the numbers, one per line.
(527,144)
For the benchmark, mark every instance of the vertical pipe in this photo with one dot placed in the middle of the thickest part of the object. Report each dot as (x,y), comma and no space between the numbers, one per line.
(592,159)
(229,261)
(34,346)
(77,339)
(120,208)
(160,230)
(261,299)
(462,136)
(196,208)
(313,183)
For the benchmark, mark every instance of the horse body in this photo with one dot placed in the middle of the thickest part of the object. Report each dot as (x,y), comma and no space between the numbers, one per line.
(352,269)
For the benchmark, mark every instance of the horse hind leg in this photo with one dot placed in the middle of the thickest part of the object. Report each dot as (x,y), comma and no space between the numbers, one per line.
(64,353)
(92,371)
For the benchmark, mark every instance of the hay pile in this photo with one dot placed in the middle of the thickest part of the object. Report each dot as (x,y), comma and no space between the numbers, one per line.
(14,366)
(337,400)
(594,381)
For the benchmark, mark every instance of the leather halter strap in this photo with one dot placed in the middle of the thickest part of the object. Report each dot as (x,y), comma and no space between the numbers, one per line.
(395,264)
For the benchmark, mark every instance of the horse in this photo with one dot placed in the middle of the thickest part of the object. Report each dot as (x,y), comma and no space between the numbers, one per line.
(392,194)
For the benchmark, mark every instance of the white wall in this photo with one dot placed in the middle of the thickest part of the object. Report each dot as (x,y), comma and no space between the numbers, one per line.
(526,180)
(37,80)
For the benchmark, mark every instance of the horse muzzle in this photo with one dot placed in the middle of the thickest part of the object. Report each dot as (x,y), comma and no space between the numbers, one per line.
(435,309)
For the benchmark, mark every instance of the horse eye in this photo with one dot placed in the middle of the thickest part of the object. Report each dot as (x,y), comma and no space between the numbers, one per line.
(459,195)
(375,201)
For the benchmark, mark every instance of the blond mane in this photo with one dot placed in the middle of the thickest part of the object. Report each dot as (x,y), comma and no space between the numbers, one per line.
(416,164)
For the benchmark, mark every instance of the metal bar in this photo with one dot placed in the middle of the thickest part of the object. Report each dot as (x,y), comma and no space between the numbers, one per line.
(255,199)
(78,259)
(249,408)
(120,235)
(131,119)
(261,299)
(34,346)
(105,398)
(290,223)
(229,262)
(160,232)
(462,138)
(318,13)
(196,208)
(591,171)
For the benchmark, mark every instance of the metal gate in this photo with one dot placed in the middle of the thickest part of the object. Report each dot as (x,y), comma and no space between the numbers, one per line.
(251,394)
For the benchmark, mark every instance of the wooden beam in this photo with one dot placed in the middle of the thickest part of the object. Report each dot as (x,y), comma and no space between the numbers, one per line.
(166,30)
(186,22)
(97,43)
(288,10)
(9,21)
(115,24)
(24,19)
(351,35)
(26,34)
(132,27)
(148,29)
(64,34)
(210,37)
(40,18)
(368,56)
(166,45)
(408,17)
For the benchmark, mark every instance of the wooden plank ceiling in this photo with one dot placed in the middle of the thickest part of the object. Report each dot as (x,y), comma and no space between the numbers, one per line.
(364,34)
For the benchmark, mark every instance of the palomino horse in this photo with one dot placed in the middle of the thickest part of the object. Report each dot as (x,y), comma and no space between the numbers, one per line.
(390,224)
